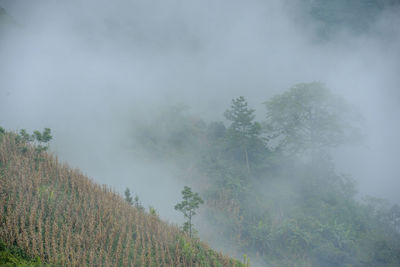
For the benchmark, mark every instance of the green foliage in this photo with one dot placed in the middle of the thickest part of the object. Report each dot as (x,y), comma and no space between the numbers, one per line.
(242,119)
(128,197)
(246,260)
(25,137)
(2,133)
(137,204)
(191,201)
(38,139)
(286,210)
(244,132)
(42,139)
(309,118)
(334,16)
(13,256)
(153,211)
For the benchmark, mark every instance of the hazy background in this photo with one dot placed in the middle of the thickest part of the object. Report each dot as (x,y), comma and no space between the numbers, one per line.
(90,69)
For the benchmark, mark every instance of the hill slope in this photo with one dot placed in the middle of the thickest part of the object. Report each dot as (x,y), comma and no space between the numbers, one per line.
(49,210)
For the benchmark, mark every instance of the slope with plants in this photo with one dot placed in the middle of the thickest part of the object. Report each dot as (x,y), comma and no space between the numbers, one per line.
(55,213)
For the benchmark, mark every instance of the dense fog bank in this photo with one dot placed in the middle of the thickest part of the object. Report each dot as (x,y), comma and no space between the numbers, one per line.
(90,69)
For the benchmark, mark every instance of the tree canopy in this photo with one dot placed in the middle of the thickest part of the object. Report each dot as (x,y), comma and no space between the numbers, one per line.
(308,117)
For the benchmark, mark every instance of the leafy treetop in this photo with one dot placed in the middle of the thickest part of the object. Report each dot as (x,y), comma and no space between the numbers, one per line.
(308,117)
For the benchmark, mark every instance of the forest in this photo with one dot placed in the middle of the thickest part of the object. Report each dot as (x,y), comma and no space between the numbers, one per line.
(271,187)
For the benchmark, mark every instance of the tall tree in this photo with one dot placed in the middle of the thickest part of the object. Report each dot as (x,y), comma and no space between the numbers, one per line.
(308,117)
(243,129)
(191,202)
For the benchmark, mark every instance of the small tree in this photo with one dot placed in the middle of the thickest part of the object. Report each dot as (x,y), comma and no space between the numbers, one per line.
(137,203)
(191,202)
(128,196)
(2,132)
(25,137)
(153,211)
(38,139)
(43,139)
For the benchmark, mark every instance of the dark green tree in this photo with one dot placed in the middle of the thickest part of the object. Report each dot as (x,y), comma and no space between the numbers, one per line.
(191,202)
(42,139)
(25,137)
(2,132)
(244,131)
(128,196)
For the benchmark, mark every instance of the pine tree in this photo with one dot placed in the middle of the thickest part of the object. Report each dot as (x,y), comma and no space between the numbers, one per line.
(243,130)
(128,196)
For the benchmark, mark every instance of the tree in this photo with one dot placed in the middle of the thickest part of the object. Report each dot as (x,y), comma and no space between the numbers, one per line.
(25,137)
(137,203)
(128,196)
(308,117)
(42,139)
(2,132)
(191,202)
(39,140)
(243,130)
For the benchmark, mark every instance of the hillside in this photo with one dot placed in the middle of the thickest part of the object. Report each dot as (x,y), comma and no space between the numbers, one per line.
(56,213)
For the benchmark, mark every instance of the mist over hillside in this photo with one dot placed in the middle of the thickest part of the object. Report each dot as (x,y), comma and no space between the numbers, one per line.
(94,70)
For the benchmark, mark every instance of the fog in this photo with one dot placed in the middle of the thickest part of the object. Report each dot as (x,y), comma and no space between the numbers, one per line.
(90,69)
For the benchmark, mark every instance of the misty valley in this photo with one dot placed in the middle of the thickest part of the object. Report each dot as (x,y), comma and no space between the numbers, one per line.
(199,133)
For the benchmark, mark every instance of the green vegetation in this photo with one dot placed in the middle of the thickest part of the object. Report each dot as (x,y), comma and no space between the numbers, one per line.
(274,192)
(309,118)
(243,132)
(356,15)
(133,201)
(39,140)
(14,256)
(191,201)
(58,216)
(128,197)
